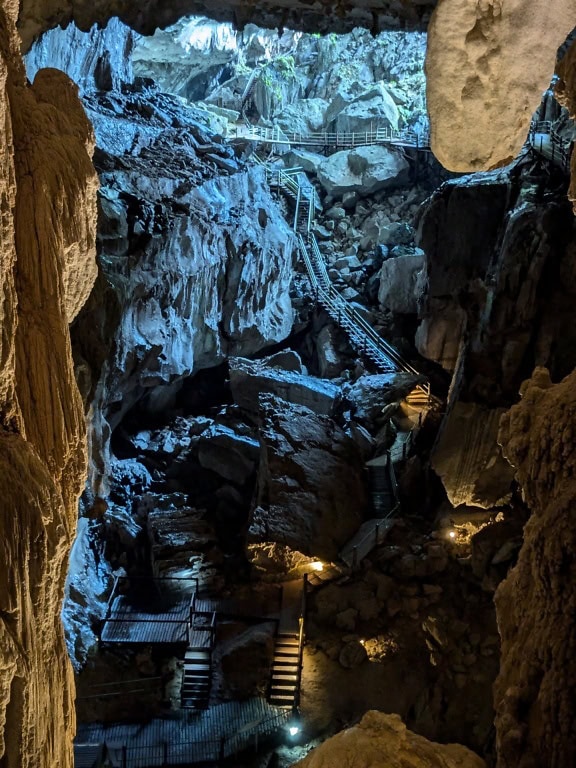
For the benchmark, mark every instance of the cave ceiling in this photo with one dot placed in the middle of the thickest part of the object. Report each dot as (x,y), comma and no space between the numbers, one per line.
(488,62)
(308,15)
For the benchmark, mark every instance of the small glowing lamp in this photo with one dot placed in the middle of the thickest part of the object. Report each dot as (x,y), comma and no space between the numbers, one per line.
(362,642)
(293,730)
(452,534)
(317,565)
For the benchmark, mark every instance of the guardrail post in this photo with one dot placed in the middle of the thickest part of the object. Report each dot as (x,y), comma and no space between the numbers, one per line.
(124,756)
(165,753)
(222,751)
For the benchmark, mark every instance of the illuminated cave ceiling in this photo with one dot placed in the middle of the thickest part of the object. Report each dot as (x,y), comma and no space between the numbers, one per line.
(488,62)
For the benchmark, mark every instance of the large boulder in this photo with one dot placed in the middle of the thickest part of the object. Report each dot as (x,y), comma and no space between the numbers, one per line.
(398,290)
(383,741)
(311,492)
(373,109)
(364,170)
(371,393)
(249,379)
(305,117)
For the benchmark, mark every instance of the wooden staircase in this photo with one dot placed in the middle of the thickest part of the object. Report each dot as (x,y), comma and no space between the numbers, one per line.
(285,675)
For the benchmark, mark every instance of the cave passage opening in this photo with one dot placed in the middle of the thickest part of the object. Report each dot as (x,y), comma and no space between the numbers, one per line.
(226,408)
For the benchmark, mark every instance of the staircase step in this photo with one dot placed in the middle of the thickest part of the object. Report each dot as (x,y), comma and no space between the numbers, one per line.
(281,700)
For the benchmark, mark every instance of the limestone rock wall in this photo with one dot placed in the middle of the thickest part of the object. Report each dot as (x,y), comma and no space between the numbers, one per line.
(535,693)
(488,64)
(47,267)
(196,262)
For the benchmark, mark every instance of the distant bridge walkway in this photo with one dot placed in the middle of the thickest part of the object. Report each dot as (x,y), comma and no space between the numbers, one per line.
(381,135)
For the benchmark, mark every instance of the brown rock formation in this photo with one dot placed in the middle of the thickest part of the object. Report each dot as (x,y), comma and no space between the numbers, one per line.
(46,271)
(488,64)
(535,693)
(383,741)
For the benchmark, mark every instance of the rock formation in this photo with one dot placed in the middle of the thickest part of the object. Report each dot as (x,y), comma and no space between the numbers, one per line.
(47,268)
(383,741)
(484,79)
(534,694)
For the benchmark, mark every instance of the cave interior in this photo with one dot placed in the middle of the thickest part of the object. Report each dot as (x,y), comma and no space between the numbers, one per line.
(289,401)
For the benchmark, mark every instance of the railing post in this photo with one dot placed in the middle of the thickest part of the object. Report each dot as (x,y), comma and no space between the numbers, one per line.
(124,756)
(165,753)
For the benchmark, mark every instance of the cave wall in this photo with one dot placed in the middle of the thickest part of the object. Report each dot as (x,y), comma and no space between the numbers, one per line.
(535,692)
(487,65)
(477,63)
(47,267)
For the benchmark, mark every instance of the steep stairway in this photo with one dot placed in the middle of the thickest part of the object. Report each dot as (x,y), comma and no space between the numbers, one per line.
(197,678)
(285,674)
(195,692)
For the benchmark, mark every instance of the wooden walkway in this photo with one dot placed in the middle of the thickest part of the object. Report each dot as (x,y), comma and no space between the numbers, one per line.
(196,737)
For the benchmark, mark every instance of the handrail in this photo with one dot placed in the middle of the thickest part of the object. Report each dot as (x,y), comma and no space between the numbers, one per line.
(361,333)
(561,148)
(380,135)
(222,746)
(301,639)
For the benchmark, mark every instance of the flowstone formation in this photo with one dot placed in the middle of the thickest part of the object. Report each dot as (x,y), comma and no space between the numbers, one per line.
(47,269)
(534,692)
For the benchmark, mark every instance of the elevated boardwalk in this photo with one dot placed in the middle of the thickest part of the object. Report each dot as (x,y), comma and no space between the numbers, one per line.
(195,738)
(129,623)
(550,144)
(379,135)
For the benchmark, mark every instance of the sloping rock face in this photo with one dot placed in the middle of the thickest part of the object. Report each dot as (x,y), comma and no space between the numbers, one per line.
(196,259)
(498,260)
(484,80)
(468,458)
(311,493)
(383,741)
(534,693)
(47,267)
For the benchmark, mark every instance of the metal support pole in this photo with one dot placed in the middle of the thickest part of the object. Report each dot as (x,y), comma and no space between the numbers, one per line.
(124,757)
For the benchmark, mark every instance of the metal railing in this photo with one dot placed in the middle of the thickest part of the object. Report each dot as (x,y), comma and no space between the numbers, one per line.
(189,752)
(361,333)
(301,641)
(558,149)
(403,137)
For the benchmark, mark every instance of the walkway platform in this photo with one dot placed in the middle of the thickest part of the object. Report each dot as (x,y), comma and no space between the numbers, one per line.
(199,737)
(369,535)
(129,623)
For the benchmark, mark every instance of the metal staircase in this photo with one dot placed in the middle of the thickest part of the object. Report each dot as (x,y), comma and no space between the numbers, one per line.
(362,336)
(285,674)
(197,678)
